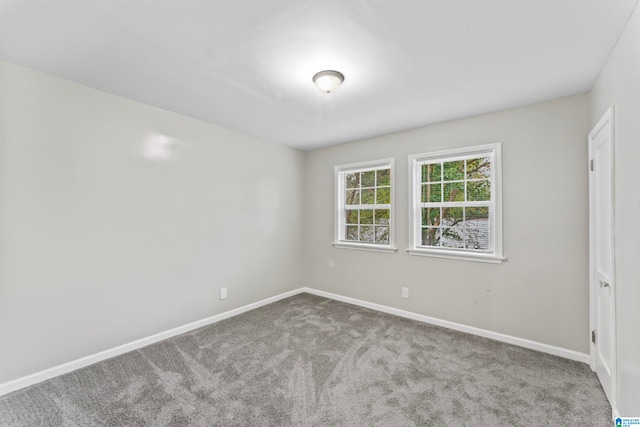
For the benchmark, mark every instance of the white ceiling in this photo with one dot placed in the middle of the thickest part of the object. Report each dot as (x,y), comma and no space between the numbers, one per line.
(247,64)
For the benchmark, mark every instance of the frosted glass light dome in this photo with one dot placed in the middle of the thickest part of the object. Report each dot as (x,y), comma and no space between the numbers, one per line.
(328,81)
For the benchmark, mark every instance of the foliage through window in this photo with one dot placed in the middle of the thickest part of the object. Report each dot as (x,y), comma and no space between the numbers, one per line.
(364,205)
(456,203)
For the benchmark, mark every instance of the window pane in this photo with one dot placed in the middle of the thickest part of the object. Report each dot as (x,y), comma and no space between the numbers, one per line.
(383,195)
(453,237)
(382,216)
(384,177)
(351,216)
(453,170)
(479,168)
(353,197)
(382,234)
(366,216)
(430,236)
(453,232)
(352,233)
(368,196)
(431,193)
(353,180)
(479,190)
(369,179)
(431,216)
(452,216)
(478,228)
(432,172)
(366,233)
(481,212)
(453,192)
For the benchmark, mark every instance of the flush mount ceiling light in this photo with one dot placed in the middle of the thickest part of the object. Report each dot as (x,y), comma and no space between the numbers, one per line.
(328,81)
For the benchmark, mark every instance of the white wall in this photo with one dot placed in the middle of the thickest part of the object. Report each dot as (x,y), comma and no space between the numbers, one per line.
(100,246)
(541,292)
(619,85)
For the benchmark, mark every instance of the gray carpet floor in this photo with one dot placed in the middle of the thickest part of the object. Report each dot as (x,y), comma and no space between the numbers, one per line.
(310,361)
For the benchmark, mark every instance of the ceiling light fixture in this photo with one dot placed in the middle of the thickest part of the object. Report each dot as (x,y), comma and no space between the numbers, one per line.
(328,81)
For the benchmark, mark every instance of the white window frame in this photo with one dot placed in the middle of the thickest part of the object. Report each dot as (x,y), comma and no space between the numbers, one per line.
(495,254)
(340,186)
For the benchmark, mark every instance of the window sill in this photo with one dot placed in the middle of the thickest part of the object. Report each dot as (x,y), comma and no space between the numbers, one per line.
(492,259)
(364,247)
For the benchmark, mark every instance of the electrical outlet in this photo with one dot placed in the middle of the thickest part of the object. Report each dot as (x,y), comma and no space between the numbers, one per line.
(223,293)
(405,292)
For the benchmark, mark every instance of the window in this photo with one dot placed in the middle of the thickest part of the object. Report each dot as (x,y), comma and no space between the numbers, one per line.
(364,206)
(455,208)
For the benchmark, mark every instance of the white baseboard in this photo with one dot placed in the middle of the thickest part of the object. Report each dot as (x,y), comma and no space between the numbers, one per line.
(521,342)
(64,368)
(55,371)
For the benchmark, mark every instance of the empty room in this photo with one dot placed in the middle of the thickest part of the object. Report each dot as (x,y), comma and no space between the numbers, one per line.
(329,213)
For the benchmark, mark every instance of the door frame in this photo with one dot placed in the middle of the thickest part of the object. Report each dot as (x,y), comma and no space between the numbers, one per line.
(608,117)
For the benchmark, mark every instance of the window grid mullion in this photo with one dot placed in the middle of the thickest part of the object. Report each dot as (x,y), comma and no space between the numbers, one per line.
(471,204)
(363,207)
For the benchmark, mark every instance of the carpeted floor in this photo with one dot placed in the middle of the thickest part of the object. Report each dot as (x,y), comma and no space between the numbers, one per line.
(310,361)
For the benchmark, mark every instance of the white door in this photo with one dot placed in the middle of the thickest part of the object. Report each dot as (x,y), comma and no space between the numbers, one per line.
(601,260)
